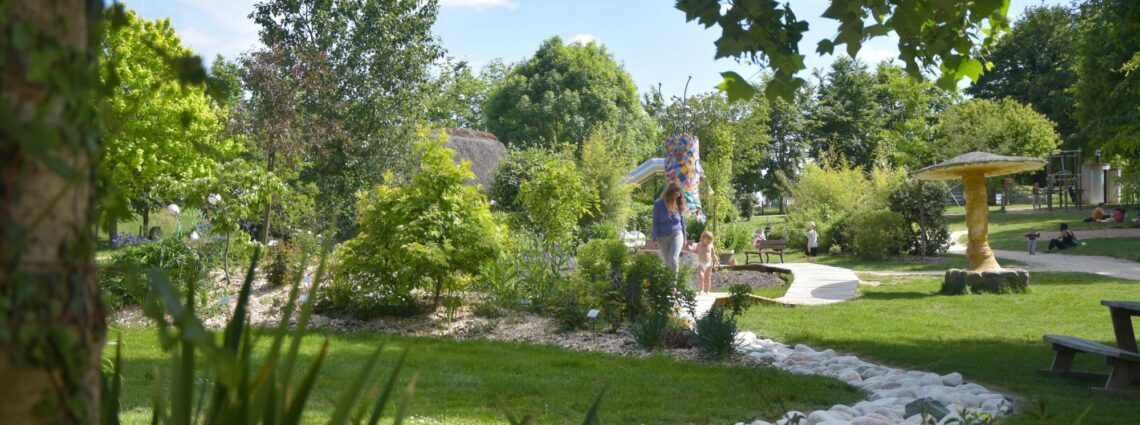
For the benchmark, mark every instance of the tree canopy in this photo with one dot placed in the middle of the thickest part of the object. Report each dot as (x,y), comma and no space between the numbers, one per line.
(561,94)
(158,129)
(1035,64)
(1003,127)
(934,36)
(1107,92)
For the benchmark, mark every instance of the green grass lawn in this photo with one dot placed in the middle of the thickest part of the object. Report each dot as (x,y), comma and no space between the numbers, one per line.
(462,382)
(994,340)
(1007,231)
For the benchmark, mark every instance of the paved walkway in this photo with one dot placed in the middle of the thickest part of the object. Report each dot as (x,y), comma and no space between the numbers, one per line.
(1104,266)
(812,284)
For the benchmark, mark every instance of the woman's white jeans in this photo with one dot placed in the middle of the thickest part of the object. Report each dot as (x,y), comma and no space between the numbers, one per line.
(670,249)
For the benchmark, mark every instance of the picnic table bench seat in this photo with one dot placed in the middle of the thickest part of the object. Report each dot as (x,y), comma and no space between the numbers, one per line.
(1125,364)
(765,248)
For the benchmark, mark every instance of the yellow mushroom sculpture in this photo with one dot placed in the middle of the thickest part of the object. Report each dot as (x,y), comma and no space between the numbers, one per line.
(973,168)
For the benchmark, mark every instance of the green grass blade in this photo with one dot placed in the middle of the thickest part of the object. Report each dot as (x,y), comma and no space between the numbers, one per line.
(112,387)
(297,405)
(592,414)
(351,393)
(408,391)
(386,393)
(182,392)
(156,403)
(302,323)
(231,342)
(236,326)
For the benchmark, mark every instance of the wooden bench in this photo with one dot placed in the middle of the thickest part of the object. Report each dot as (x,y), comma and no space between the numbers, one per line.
(1125,364)
(765,249)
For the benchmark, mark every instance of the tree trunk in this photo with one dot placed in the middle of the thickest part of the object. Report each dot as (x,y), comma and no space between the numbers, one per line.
(268,203)
(53,319)
(145,231)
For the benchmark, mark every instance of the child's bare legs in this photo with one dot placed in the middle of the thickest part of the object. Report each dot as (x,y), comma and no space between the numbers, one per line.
(706,279)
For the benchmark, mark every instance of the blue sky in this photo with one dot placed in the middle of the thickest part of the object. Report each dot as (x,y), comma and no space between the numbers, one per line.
(649,38)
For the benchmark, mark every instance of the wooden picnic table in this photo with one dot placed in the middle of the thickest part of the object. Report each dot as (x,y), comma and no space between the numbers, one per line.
(1122,312)
(1123,358)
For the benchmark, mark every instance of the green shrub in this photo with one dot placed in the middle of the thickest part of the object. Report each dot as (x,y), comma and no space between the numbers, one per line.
(734,237)
(602,171)
(598,230)
(647,330)
(519,166)
(716,334)
(642,218)
(651,288)
(553,201)
(746,202)
(120,280)
(829,195)
(571,302)
(739,298)
(922,208)
(877,234)
(431,233)
(603,261)
(279,269)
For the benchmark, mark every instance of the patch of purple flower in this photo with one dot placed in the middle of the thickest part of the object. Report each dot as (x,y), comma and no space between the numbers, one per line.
(127,239)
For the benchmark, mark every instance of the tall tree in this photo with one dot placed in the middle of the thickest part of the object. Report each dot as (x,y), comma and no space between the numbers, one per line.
(52,325)
(848,113)
(1035,64)
(931,36)
(158,129)
(1107,92)
(459,96)
(910,109)
(789,131)
(379,52)
(279,126)
(1003,127)
(561,94)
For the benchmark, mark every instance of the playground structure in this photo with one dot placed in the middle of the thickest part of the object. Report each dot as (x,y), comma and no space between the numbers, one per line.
(681,165)
(1063,177)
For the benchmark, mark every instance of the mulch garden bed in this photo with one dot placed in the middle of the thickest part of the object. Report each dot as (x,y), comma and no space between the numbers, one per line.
(722,279)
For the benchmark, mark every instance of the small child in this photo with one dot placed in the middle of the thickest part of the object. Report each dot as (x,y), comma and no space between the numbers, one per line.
(706,258)
(1032,236)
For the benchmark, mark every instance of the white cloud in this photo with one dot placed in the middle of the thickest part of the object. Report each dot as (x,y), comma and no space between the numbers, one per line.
(873,55)
(479,4)
(584,39)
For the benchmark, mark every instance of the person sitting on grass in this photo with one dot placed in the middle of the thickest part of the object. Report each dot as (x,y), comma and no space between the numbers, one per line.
(1066,241)
(1097,214)
(1118,215)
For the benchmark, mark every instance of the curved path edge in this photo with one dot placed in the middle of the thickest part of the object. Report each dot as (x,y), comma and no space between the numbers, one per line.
(1096,264)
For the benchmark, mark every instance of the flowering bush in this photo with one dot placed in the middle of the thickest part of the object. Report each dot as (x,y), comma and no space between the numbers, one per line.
(126,239)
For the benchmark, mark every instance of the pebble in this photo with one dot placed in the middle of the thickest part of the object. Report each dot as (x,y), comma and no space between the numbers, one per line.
(889,390)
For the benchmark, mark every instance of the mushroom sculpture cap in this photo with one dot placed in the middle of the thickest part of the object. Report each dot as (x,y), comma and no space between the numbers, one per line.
(978,162)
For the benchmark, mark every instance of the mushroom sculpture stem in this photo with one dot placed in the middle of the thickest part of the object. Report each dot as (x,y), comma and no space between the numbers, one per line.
(977,224)
(973,168)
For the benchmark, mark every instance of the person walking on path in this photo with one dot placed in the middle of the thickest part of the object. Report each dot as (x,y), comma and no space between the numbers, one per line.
(669,225)
(812,242)
(1036,197)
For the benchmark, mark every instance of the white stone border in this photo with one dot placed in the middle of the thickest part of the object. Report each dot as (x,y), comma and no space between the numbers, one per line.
(889,389)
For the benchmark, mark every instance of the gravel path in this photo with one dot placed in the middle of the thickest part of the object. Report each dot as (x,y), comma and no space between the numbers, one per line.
(1104,266)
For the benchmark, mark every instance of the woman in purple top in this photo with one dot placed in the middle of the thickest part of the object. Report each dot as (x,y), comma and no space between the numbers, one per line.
(669,225)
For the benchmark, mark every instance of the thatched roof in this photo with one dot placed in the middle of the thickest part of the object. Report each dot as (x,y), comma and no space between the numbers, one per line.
(975,162)
(483,149)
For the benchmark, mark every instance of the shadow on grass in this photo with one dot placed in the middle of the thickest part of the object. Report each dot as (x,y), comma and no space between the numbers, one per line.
(900,295)
(465,382)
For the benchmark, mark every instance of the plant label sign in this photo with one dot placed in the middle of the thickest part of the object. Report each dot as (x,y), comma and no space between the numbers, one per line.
(592,314)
